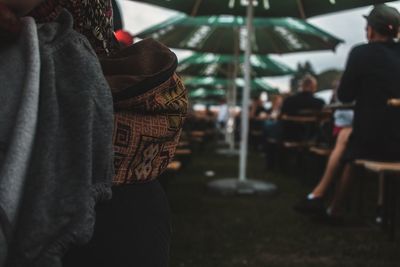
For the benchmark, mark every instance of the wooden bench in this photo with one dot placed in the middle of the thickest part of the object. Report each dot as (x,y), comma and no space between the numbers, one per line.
(288,149)
(184,156)
(197,134)
(174,166)
(182,144)
(300,119)
(183,152)
(306,120)
(320,151)
(394,102)
(390,173)
(197,138)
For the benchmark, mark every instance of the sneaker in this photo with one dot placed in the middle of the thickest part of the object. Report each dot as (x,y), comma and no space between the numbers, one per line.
(311,206)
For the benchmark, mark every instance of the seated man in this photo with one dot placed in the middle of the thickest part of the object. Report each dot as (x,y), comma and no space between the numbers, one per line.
(371,78)
(302,103)
(303,100)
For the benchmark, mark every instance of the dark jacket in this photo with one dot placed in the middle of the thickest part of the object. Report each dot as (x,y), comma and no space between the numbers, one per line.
(372,76)
(293,105)
(296,105)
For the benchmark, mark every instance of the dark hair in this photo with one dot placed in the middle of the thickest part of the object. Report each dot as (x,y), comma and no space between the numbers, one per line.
(384,31)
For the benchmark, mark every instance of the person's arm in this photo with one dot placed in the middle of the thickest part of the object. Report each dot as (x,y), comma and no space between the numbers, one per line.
(349,83)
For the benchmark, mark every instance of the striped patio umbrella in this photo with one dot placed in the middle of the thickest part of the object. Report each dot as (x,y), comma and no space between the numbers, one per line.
(262,8)
(257,85)
(228,35)
(222,66)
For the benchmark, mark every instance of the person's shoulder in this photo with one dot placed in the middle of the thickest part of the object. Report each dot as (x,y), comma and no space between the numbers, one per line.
(291,97)
(288,100)
(319,101)
(360,52)
(361,49)
(288,97)
(373,46)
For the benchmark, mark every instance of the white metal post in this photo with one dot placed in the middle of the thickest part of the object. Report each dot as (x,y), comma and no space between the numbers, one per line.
(229,130)
(236,66)
(246,96)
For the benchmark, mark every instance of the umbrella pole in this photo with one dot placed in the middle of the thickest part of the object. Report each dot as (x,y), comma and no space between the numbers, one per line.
(232,118)
(244,185)
(231,121)
(228,126)
(234,90)
(246,96)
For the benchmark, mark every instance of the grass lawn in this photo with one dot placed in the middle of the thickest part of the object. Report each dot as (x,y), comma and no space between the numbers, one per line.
(216,231)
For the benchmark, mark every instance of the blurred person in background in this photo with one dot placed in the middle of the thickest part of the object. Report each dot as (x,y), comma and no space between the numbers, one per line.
(272,130)
(303,100)
(258,114)
(371,78)
(223,115)
(300,104)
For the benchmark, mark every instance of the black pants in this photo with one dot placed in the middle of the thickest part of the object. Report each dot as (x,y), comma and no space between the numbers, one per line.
(131,230)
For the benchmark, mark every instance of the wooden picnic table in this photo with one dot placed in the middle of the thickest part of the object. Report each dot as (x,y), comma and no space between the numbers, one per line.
(394,102)
(339,106)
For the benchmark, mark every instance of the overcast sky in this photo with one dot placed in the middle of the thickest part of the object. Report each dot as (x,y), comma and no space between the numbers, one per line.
(348,25)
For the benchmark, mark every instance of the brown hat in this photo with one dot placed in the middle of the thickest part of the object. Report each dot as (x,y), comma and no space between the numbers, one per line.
(384,19)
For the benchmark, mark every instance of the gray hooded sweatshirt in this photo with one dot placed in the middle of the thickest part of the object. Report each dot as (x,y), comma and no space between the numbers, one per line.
(56,123)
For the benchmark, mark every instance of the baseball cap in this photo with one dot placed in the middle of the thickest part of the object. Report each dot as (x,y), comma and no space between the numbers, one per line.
(384,19)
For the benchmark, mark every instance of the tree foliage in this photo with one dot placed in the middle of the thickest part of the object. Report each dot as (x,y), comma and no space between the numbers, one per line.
(326,80)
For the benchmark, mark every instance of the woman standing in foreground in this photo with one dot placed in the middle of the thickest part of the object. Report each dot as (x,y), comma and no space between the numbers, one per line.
(133,229)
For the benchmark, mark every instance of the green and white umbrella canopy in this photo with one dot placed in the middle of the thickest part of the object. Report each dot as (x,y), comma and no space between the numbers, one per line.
(228,35)
(206,93)
(262,8)
(257,85)
(223,66)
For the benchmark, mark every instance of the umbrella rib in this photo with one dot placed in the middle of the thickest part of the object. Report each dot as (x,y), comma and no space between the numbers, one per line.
(300,4)
(273,44)
(196,7)
(218,42)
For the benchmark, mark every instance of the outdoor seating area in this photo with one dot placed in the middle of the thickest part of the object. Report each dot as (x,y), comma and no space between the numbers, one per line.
(210,230)
(199,133)
(273,233)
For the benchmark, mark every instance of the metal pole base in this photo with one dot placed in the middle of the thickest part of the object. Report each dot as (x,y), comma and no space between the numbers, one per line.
(232,186)
(228,152)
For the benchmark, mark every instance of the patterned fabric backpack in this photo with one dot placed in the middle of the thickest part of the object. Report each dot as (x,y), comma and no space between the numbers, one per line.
(150,104)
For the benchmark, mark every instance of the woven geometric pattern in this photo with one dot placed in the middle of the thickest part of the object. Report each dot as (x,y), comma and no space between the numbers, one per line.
(147,130)
(91,18)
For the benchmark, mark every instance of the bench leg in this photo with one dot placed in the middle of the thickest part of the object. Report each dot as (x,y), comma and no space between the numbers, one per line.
(386,201)
(389,206)
(393,207)
(361,180)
